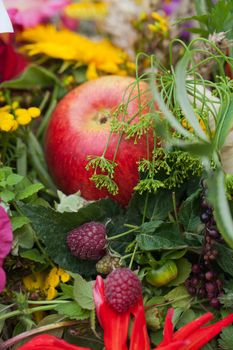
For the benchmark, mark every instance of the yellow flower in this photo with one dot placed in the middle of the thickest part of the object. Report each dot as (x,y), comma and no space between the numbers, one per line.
(51,293)
(100,55)
(34,281)
(160,25)
(64,276)
(91,72)
(87,10)
(7,122)
(22,116)
(34,112)
(52,279)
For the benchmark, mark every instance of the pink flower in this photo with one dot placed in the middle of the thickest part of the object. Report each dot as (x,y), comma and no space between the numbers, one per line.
(6,239)
(29,13)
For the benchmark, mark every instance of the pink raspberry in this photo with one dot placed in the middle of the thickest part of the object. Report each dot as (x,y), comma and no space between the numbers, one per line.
(88,241)
(122,289)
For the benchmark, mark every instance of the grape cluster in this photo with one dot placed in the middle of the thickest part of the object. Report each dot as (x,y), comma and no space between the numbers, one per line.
(204,280)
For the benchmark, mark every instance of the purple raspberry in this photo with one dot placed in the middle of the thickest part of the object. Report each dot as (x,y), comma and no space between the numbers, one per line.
(122,289)
(88,241)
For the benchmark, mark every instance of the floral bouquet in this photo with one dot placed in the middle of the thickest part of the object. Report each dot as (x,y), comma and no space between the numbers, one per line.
(116,184)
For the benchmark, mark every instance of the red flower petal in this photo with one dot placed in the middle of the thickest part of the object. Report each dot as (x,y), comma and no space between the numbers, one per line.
(12,63)
(139,337)
(115,325)
(49,342)
(202,336)
(191,327)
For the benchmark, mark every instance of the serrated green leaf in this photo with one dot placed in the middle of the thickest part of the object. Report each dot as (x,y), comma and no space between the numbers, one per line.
(29,191)
(217,198)
(7,196)
(189,213)
(33,77)
(67,291)
(159,205)
(179,297)
(13,179)
(52,228)
(19,221)
(166,237)
(150,227)
(225,258)
(34,255)
(72,310)
(226,338)
(184,268)
(83,293)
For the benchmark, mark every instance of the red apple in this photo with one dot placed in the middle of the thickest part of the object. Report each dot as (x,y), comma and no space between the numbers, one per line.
(80,127)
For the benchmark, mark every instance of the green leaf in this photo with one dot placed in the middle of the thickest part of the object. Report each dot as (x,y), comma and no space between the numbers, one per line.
(83,292)
(159,205)
(184,268)
(150,227)
(224,124)
(182,96)
(29,191)
(189,213)
(52,228)
(19,221)
(226,338)
(167,236)
(179,297)
(72,310)
(34,255)
(13,179)
(67,291)
(186,317)
(7,196)
(34,77)
(225,258)
(218,199)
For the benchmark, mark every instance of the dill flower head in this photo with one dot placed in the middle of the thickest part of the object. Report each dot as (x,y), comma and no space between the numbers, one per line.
(87,10)
(98,56)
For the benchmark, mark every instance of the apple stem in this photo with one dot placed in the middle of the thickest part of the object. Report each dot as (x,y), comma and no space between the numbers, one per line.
(123,234)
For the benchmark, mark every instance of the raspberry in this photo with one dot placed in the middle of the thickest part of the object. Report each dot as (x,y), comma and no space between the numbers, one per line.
(88,241)
(123,289)
(107,264)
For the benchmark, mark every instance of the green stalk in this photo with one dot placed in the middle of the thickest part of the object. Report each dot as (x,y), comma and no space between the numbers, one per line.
(10,342)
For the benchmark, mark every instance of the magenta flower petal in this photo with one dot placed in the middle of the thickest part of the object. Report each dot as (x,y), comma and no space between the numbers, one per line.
(6,239)
(31,13)
(2,279)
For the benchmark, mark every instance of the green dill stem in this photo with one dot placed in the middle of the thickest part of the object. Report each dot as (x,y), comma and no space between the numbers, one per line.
(122,234)
(10,342)
(145,208)
(27,311)
(133,255)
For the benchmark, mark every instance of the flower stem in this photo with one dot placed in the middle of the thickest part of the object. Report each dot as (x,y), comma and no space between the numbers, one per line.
(122,234)
(27,311)
(10,342)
